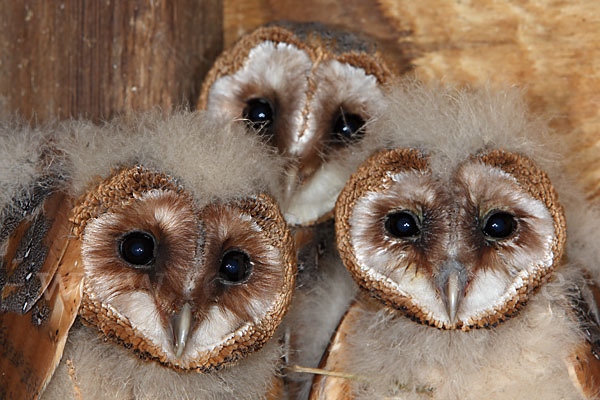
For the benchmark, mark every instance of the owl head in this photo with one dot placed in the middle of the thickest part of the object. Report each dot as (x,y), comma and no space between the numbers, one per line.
(159,231)
(457,225)
(309,91)
(191,287)
(180,264)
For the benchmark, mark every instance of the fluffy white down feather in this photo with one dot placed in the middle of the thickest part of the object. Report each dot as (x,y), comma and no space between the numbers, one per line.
(212,159)
(21,165)
(316,309)
(104,370)
(523,358)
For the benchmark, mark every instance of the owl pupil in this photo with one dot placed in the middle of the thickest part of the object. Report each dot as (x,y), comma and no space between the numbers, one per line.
(235,267)
(402,225)
(499,225)
(137,248)
(348,126)
(258,113)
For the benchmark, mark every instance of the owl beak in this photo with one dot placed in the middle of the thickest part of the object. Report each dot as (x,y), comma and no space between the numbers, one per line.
(452,281)
(181,324)
(452,296)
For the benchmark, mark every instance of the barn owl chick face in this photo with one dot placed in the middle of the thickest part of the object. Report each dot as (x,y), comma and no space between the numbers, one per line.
(458,250)
(191,287)
(310,97)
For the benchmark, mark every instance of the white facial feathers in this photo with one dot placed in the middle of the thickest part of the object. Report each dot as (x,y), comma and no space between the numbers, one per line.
(272,70)
(451,218)
(306,92)
(186,270)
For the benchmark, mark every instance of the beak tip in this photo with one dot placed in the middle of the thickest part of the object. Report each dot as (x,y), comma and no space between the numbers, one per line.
(453,294)
(180,326)
(179,350)
(452,315)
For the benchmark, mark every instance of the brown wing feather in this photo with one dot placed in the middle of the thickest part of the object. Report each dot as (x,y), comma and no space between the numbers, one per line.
(32,343)
(41,293)
(584,363)
(33,248)
(326,387)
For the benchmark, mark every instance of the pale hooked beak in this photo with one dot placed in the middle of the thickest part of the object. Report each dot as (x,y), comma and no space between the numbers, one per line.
(181,324)
(452,281)
(452,295)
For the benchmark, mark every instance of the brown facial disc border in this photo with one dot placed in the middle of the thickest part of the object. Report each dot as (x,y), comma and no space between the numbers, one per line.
(118,190)
(316,46)
(373,176)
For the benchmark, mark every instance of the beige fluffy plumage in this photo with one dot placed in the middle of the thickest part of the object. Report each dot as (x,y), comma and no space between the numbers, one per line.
(179,256)
(460,226)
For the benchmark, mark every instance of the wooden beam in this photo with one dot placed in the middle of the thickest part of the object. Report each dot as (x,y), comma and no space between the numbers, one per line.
(71,58)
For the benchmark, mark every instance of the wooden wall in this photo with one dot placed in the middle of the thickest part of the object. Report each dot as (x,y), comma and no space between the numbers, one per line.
(96,58)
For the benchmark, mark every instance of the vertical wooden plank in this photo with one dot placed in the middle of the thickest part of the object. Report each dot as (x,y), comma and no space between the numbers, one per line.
(96,58)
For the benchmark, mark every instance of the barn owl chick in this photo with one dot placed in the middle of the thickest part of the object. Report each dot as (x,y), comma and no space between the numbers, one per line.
(309,91)
(176,259)
(459,236)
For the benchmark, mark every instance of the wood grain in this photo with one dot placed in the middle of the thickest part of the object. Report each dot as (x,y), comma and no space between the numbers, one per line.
(549,47)
(96,58)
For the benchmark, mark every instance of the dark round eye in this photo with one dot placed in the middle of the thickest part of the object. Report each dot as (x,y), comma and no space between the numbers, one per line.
(235,267)
(258,113)
(402,225)
(499,225)
(348,127)
(137,248)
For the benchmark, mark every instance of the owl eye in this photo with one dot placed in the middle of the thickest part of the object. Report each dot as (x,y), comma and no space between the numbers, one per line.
(348,127)
(258,113)
(235,267)
(137,248)
(402,225)
(499,225)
